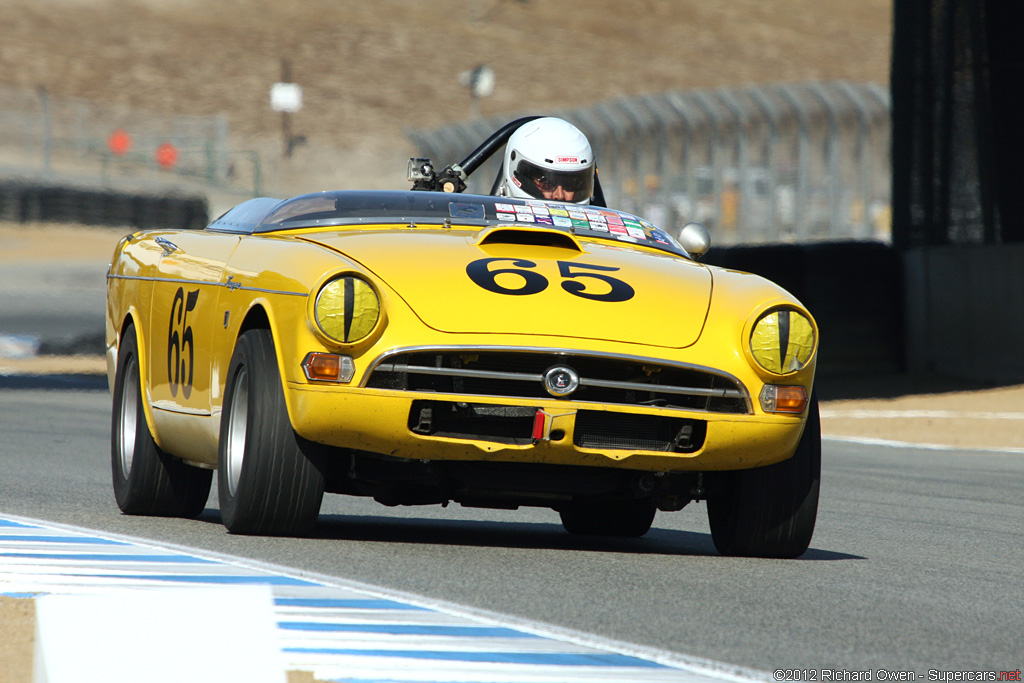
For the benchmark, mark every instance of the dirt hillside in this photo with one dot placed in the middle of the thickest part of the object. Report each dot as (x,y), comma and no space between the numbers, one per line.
(369,70)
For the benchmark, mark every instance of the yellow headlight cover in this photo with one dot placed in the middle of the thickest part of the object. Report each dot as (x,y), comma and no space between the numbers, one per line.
(782,341)
(347,309)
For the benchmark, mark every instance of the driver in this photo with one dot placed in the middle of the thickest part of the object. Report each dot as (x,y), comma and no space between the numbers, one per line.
(548,158)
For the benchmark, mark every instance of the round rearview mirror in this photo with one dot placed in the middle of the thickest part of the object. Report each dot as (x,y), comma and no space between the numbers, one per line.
(695,239)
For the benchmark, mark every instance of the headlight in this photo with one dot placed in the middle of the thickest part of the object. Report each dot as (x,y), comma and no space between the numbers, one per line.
(347,309)
(782,341)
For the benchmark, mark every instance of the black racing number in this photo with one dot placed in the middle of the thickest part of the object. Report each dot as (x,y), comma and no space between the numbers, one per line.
(483,275)
(180,343)
(480,273)
(620,291)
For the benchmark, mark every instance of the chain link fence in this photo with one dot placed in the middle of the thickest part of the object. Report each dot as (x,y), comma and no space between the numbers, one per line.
(760,164)
(45,135)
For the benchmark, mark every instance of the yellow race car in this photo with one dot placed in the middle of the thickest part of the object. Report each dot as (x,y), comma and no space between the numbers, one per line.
(427,347)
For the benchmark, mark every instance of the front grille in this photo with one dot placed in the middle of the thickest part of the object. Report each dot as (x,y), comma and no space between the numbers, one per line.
(519,374)
(623,431)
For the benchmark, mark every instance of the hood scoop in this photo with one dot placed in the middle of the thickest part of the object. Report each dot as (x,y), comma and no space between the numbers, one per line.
(529,236)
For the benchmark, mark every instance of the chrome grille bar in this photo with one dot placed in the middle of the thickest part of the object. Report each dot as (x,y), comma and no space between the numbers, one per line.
(457,372)
(661,388)
(584,382)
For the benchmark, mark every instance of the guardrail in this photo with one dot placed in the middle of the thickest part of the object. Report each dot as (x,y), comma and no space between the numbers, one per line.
(759,164)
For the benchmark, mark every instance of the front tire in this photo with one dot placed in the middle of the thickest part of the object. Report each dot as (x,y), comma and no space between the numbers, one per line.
(269,480)
(146,480)
(770,511)
(624,519)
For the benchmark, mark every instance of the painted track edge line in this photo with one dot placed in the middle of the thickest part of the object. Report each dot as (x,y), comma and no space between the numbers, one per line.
(699,665)
(890,443)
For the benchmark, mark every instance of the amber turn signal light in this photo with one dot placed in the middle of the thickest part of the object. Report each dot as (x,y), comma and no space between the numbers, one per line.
(783,399)
(328,367)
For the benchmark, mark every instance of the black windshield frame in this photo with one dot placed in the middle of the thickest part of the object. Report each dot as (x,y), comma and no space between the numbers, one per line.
(362,207)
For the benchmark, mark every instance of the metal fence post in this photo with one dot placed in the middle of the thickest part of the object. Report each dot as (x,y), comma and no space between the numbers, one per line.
(863,154)
(832,155)
(771,116)
(803,157)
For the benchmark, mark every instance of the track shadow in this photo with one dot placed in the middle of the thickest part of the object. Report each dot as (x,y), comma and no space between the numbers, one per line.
(523,535)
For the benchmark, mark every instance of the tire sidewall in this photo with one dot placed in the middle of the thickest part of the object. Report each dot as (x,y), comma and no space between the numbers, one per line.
(231,504)
(128,367)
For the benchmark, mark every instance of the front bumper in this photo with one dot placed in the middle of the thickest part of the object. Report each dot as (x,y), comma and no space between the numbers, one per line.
(378,421)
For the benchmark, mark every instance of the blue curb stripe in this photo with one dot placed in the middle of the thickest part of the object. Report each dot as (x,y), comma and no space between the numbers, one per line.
(218,579)
(83,540)
(541,658)
(99,557)
(330,603)
(406,629)
(17,525)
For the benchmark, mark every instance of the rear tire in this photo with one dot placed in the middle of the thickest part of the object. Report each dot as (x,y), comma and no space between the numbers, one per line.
(626,519)
(269,480)
(146,480)
(770,511)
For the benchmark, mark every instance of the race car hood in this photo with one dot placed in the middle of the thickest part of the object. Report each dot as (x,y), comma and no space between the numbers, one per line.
(512,281)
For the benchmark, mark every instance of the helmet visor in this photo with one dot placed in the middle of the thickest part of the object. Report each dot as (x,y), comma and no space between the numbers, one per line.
(544,183)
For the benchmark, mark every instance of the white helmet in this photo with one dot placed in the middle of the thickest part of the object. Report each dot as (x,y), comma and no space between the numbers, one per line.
(549,158)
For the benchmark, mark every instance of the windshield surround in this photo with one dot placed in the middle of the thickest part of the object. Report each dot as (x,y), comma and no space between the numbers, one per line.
(348,207)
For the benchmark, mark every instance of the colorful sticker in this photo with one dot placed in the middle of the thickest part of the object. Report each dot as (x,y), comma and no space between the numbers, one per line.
(578,215)
(562,222)
(506,208)
(524,209)
(558,212)
(617,229)
(506,216)
(614,220)
(576,223)
(541,210)
(525,217)
(544,220)
(636,232)
(599,227)
(658,236)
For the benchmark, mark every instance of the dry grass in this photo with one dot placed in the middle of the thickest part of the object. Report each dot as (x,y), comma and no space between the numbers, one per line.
(371,69)
(17,628)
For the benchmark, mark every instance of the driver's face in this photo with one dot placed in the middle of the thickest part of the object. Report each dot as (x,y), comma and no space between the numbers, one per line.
(559,193)
(552,191)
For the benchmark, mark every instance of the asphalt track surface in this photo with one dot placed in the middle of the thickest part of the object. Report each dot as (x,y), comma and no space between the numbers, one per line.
(917,563)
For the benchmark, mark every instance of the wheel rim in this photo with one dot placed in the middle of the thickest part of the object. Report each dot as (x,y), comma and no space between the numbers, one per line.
(238,420)
(129,416)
